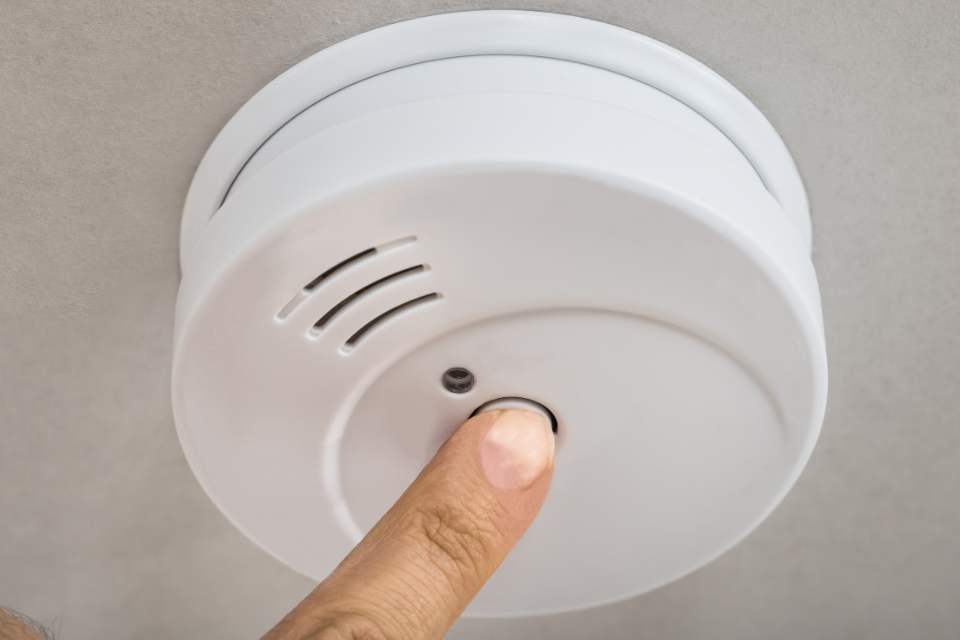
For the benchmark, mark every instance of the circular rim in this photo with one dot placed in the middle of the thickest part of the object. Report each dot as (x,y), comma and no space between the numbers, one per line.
(492,32)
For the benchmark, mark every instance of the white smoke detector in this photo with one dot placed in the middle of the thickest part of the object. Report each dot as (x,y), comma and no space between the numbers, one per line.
(475,206)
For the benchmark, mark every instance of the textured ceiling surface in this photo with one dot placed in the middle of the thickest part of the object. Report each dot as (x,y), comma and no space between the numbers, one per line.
(106,108)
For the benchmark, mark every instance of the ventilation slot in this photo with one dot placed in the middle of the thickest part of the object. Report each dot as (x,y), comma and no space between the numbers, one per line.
(355,339)
(338,268)
(370,288)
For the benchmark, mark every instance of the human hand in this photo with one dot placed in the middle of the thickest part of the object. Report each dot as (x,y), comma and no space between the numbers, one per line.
(422,563)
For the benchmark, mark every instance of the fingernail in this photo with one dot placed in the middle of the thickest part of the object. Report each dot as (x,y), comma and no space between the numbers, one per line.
(517,449)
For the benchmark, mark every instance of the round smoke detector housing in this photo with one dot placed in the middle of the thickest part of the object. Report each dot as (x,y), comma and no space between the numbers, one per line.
(467,207)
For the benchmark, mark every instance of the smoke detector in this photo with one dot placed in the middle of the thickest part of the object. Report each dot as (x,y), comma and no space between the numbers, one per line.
(482,206)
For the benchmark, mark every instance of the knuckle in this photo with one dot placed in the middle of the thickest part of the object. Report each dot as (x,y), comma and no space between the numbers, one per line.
(459,540)
(349,626)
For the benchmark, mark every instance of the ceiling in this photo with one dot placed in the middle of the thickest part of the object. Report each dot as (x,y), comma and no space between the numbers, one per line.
(105,110)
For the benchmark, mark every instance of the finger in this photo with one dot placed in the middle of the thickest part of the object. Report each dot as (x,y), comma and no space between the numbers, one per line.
(16,626)
(419,567)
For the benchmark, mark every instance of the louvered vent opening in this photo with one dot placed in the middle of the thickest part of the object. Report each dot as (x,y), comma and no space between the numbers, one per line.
(356,261)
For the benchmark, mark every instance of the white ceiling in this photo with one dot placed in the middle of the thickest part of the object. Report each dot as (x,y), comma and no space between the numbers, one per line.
(105,109)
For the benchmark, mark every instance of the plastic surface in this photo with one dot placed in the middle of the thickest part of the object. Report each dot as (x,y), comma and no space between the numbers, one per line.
(568,234)
(482,33)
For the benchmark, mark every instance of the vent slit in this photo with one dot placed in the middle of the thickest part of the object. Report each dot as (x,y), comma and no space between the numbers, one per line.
(308,289)
(290,306)
(386,315)
(343,264)
(376,284)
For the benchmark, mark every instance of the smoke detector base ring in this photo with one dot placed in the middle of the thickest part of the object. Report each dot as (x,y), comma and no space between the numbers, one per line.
(491,33)
(566,210)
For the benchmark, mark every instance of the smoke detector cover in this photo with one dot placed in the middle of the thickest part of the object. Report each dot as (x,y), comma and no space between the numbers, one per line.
(572,213)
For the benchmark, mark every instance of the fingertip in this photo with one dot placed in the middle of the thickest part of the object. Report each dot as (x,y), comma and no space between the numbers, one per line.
(517,449)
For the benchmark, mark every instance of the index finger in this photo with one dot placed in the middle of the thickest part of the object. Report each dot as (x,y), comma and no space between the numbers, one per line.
(422,563)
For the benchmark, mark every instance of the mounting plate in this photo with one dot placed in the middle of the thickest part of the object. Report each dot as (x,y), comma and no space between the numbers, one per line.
(491,33)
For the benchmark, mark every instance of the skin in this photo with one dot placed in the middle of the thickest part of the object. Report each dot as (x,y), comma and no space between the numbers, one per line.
(414,573)
(14,626)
